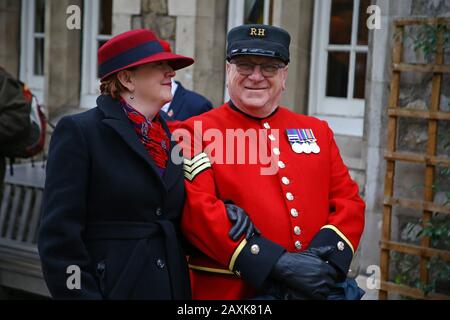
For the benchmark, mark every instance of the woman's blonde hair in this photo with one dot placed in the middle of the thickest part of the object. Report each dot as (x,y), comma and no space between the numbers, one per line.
(112,86)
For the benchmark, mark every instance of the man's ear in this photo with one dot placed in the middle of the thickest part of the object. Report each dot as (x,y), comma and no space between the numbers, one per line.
(284,76)
(125,79)
(227,72)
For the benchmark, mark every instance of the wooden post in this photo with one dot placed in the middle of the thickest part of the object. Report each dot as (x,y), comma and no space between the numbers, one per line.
(390,167)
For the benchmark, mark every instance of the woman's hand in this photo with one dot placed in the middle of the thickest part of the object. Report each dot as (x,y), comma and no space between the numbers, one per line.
(241,222)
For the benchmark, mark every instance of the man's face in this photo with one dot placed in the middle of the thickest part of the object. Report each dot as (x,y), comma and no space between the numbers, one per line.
(256,91)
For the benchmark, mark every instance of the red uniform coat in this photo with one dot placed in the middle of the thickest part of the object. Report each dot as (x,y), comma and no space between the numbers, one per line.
(310,200)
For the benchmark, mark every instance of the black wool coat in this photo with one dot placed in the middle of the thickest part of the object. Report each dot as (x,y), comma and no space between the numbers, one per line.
(108,213)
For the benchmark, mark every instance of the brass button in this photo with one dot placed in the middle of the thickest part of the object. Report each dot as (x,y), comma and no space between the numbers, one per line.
(266,125)
(340,246)
(281,164)
(285,180)
(289,196)
(254,249)
(294,212)
(297,230)
(160,264)
(298,245)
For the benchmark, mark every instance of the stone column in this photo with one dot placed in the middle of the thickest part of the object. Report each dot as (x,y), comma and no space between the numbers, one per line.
(201,33)
(10,35)
(297,18)
(123,12)
(62,58)
(375,122)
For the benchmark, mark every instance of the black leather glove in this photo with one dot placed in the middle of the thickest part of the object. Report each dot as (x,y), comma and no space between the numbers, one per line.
(241,222)
(306,273)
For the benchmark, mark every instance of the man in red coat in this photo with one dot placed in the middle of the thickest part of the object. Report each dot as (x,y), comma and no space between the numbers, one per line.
(252,161)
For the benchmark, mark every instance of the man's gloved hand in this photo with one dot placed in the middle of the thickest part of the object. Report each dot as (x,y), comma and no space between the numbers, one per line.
(306,272)
(241,222)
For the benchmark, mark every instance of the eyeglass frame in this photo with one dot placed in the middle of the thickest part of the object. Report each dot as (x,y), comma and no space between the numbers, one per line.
(278,66)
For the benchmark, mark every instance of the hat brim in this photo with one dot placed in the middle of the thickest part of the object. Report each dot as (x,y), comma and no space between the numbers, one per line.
(258,48)
(176,61)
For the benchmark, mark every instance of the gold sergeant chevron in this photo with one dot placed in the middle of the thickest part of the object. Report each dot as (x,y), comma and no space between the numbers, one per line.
(196,165)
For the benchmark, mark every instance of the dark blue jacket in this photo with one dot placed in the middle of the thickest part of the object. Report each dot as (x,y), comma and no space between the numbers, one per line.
(107,211)
(186,104)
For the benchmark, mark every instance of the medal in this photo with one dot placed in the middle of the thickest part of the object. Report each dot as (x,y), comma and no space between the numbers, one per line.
(306,148)
(315,148)
(294,140)
(302,141)
(297,147)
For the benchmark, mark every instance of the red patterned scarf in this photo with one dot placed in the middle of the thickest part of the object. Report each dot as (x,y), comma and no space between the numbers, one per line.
(152,135)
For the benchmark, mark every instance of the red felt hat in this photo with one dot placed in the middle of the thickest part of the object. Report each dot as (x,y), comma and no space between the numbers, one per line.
(133,48)
(165,45)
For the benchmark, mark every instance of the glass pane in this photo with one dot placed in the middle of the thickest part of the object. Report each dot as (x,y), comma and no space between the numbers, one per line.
(254,11)
(105,17)
(99,44)
(39,19)
(363,32)
(38,57)
(337,74)
(341,22)
(360,75)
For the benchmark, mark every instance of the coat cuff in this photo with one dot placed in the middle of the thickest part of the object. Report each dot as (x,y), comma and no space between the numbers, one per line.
(342,256)
(254,259)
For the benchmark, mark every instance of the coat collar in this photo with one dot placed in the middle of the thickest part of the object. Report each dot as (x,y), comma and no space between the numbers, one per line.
(177,102)
(116,118)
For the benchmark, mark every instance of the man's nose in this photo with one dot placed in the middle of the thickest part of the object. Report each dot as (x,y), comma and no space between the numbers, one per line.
(256,74)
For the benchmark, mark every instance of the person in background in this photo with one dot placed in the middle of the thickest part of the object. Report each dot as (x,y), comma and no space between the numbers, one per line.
(185,103)
(14,116)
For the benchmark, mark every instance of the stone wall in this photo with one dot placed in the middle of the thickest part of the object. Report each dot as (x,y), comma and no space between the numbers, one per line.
(10,35)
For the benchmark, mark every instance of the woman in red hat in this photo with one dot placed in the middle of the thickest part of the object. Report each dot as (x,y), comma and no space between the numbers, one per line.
(113,195)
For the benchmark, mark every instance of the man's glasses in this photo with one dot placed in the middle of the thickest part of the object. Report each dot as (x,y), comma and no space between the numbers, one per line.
(267,69)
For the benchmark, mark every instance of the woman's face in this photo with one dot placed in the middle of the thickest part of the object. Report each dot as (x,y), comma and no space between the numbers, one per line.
(151,83)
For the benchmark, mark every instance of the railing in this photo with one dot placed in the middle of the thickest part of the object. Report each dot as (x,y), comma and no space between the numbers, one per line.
(20,266)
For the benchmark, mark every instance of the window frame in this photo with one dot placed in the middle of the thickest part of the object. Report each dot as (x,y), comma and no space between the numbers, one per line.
(345,115)
(27,52)
(89,82)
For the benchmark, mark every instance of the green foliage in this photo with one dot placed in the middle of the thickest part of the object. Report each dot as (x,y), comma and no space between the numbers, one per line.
(427,38)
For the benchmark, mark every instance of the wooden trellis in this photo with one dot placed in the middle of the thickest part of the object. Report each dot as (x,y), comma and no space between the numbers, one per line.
(430,160)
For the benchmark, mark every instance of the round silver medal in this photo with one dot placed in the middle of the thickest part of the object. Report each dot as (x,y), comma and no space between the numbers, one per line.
(315,148)
(297,147)
(306,148)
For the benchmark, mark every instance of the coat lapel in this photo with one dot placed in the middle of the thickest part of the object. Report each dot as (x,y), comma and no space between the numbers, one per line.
(118,121)
(173,171)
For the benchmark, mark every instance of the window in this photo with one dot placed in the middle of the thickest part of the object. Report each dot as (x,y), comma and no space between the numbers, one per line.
(32,46)
(338,69)
(97,29)
(248,12)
